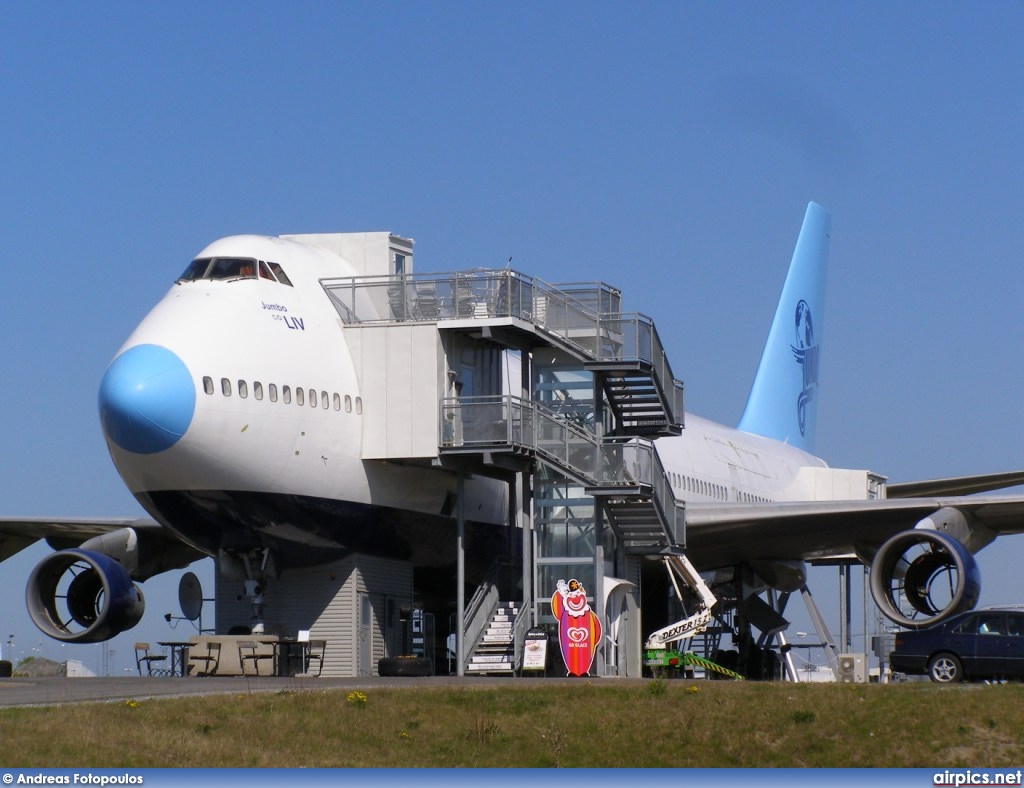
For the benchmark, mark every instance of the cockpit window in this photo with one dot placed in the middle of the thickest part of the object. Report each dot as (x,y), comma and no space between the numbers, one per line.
(233,268)
(280,274)
(219,268)
(195,270)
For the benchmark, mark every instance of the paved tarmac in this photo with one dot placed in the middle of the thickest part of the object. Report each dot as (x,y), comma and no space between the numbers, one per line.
(60,690)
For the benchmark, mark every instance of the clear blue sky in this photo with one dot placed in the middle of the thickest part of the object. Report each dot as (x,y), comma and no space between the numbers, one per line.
(666,148)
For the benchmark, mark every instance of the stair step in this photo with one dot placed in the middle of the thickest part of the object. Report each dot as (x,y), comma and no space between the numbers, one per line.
(495,651)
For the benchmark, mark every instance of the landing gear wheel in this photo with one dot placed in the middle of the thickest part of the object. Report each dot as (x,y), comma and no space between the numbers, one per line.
(945,669)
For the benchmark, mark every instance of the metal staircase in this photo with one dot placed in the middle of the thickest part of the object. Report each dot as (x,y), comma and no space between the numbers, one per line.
(494,651)
(634,373)
(636,495)
(607,451)
(626,475)
(635,402)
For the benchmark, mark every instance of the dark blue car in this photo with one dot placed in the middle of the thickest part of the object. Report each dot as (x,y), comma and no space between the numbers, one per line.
(981,644)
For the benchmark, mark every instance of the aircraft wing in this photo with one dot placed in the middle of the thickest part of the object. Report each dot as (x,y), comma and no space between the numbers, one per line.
(957,485)
(164,550)
(726,534)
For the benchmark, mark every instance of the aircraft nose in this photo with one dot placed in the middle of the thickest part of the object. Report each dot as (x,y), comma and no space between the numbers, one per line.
(147,399)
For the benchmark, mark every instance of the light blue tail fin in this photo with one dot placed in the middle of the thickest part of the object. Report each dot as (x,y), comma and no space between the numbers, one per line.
(783,401)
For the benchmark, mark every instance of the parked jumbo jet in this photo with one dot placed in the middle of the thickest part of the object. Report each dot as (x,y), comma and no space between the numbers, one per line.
(234,414)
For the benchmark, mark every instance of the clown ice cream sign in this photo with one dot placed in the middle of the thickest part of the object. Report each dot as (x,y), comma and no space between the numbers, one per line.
(579,629)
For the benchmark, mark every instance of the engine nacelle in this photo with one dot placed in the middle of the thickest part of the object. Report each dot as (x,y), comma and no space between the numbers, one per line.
(81,596)
(922,577)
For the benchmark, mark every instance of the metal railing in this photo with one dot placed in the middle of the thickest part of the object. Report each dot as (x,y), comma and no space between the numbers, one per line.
(635,463)
(508,421)
(584,314)
(635,337)
(456,295)
(519,629)
(479,610)
(517,423)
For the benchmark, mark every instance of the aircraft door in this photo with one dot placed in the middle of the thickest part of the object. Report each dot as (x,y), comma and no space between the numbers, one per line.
(622,633)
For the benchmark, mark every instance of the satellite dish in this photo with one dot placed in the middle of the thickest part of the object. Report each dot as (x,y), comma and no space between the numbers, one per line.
(190,596)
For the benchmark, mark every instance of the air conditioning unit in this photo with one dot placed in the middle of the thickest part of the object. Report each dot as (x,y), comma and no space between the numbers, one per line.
(853,669)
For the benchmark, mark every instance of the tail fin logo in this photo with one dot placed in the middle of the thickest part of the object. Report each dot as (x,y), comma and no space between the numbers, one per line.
(795,335)
(805,351)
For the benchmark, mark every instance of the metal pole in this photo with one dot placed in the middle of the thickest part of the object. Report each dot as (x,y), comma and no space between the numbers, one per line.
(849,608)
(602,655)
(526,493)
(526,522)
(864,607)
(460,574)
(844,610)
(787,656)
(779,606)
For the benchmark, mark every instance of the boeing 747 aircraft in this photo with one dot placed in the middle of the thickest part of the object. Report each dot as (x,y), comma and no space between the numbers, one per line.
(237,416)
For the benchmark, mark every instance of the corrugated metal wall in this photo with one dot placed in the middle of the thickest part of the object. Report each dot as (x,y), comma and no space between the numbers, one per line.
(325,600)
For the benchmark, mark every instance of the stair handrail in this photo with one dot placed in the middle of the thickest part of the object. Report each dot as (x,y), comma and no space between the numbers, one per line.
(519,629)
(636,339)
(480,609)
(634,462)
(487,588)
(515,422)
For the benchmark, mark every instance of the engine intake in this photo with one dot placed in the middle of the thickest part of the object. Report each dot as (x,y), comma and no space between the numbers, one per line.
(81,596)
(922,577)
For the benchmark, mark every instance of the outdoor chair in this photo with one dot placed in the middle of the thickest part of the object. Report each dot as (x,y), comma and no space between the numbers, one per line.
(252,653)
(143,657)
(206,663)
(315,654)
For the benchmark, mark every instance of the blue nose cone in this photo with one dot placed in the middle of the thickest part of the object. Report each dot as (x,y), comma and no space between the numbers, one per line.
(147,399)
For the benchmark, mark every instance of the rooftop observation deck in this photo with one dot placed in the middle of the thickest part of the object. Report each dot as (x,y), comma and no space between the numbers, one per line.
(581,318)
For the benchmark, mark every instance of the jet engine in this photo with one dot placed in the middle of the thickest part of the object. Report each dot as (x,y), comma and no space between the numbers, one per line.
(81,596)
(922,576)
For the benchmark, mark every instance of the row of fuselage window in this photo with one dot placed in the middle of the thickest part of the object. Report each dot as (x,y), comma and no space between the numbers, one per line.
(326,401)
(718,491)
(312,397)
(689,484)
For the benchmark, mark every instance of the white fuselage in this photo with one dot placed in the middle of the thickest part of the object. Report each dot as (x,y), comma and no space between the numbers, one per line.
(710,462)
(271,451)
(260,442)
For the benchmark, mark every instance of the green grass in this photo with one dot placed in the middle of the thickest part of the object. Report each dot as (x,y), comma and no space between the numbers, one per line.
(595,723)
